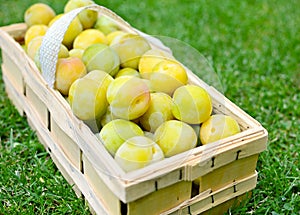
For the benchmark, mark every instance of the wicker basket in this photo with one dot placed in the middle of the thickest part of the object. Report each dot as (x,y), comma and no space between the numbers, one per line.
(206,179)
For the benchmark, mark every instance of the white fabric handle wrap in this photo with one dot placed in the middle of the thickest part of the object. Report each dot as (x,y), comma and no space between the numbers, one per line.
(53,38)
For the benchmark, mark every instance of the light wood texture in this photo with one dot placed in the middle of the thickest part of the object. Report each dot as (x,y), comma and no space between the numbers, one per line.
(11,91)
(15,74)
(228,174)
(37,105)
(161,200)
(63,171)
(17,31)
(68,146)
(223,208)
(109,200)
(208,199)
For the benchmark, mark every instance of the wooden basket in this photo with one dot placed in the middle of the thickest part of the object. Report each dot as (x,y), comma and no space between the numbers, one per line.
(207,179)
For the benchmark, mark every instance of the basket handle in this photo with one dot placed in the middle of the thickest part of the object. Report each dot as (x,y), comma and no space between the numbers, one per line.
(53,38)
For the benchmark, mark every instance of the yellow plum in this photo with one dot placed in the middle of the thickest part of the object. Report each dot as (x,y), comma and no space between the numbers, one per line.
(217,127)
(87,95)
(174,137)
(39,13)
(89,37)
(167,76)
(129,97)
(68,70)
(116,132)
(137,152)
(74,29)
(159,111)
(101,57)
(130,48)
(192,104)
(87,18)
(35,31)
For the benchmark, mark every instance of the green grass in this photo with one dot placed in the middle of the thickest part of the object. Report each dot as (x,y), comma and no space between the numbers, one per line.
(254,47)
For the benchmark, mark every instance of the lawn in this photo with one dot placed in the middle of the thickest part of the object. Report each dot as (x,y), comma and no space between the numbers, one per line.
(254,49)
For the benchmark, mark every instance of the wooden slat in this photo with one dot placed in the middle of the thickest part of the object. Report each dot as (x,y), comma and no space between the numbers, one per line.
(65,174)
(223,207)
(208,199)
(12,93)
(161,200)
(37,105)
(17,31)
(68,146)
(13,72)
(108,199)
(225,175)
